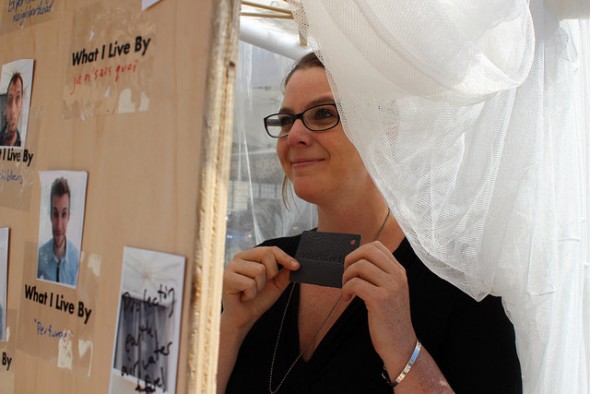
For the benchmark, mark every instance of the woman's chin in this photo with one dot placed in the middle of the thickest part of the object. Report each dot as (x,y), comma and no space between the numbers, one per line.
(308,192)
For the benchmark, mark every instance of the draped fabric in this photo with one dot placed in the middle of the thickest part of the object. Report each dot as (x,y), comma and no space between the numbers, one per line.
(473,118)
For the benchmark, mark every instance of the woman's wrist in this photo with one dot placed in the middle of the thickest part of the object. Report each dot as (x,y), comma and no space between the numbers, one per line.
(396,358)
(423,376)
(233,328)
(395,380)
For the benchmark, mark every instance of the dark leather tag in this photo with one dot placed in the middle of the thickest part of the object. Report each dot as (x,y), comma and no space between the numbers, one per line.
(322,257)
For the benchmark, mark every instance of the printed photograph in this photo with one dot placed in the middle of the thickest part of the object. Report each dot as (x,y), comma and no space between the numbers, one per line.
(16,84)
(61,222)
(145,358)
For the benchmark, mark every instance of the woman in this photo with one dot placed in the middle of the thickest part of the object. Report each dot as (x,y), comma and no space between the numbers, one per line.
(281,337)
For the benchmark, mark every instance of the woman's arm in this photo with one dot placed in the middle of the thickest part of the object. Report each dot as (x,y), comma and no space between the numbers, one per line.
(252,283)
(230,341)
(373,274)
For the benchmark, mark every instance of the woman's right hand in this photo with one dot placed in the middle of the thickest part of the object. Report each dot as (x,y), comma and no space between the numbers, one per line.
(252,283)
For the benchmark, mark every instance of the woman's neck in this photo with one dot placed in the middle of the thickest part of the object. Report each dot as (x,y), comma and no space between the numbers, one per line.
(364,217)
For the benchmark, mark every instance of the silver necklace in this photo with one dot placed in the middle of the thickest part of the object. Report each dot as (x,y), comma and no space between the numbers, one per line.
(274,354)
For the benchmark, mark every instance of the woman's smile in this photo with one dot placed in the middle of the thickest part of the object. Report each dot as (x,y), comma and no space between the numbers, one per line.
(301,163)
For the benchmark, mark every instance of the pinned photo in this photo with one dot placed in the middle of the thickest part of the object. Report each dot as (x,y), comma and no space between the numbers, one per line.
(61,221)
(148,327)
(15,99)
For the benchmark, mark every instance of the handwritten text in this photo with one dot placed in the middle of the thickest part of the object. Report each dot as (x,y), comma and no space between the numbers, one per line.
(9,176)
(146,350)
(49,331)
(25,9)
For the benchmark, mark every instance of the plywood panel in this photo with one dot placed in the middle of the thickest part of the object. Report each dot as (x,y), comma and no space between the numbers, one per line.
(140,136)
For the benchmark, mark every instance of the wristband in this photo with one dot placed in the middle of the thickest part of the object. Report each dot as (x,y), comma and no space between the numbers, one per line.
(406,369)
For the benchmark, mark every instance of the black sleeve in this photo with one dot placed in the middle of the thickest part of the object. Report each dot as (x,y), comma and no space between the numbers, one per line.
(287,244)
(480,353)
(473,343)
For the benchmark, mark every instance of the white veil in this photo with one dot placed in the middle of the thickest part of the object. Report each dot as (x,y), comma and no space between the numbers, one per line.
(473,118)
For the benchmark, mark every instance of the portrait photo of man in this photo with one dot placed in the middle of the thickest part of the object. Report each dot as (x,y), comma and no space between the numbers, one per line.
(59,256)
(14,102)
(10,136)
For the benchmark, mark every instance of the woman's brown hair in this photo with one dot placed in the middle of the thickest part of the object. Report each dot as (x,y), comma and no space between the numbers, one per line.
(309,60)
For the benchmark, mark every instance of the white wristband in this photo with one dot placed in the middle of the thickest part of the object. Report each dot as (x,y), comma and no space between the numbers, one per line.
(406,369)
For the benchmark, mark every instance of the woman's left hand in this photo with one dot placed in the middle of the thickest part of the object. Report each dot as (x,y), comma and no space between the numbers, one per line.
(373,274)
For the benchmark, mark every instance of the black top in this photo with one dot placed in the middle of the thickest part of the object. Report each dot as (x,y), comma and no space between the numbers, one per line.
(471,342)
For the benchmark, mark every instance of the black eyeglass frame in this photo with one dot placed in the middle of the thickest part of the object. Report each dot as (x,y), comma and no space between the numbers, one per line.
(294,118)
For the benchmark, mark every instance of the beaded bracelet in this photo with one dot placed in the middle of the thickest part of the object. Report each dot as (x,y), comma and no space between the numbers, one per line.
(406,370)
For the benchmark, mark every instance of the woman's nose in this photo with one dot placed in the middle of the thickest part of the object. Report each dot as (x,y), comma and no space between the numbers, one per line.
(299,134)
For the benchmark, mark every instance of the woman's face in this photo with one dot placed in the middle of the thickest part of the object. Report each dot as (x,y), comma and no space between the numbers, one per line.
(321,165)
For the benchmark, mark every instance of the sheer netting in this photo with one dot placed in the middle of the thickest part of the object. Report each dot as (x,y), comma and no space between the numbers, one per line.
(473,118)
(256,210)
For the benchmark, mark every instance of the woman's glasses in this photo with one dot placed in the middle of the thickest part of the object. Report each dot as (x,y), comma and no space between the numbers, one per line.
(317,118)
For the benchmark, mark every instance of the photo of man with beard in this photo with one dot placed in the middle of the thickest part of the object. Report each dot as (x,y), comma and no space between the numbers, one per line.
(10,135)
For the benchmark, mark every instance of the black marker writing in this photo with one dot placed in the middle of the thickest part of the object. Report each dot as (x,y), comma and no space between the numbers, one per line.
(147,346)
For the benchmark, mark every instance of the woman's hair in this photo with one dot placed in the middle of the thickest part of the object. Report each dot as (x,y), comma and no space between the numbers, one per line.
(309,60)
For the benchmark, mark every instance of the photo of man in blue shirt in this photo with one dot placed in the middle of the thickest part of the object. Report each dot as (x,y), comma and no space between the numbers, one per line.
(59,258)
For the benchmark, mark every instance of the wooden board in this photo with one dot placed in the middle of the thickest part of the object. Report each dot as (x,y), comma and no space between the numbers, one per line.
(150,127)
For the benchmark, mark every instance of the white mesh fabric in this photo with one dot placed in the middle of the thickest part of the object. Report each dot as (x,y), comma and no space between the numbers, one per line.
(473,119)
(256,211)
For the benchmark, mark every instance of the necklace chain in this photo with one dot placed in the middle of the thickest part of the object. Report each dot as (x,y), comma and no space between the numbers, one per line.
(382,225)
(274,354)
